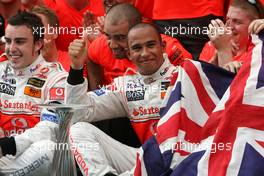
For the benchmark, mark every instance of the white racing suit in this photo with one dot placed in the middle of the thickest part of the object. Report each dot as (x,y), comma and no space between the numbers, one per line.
(135,96)
(20,92)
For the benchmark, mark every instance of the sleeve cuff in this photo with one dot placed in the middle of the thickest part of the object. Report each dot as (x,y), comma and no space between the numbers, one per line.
(75,76)
(8,145)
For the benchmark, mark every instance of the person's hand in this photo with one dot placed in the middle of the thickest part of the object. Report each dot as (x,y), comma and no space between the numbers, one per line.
(220,35)
(256,26)
(233,66)
(101,21)
(92,28)
(78,53)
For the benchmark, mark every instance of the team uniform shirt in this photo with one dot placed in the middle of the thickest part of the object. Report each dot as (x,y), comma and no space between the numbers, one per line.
(2,58)
(71,26)
(209,51)
(176,52)
(22,90)
(64,60)
(146,8)
(100,53)
(135,96)
(177,9)
(140,100)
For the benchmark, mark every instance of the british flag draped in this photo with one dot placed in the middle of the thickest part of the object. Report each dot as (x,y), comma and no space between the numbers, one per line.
(208,127)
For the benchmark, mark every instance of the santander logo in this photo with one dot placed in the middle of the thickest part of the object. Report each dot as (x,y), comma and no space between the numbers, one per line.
(145,111)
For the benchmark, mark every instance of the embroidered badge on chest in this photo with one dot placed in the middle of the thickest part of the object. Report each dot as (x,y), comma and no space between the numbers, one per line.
(7,89)
(32,92)
(135,91)
(36,82)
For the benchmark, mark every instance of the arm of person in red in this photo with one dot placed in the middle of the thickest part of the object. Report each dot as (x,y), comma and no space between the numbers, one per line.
(176,52)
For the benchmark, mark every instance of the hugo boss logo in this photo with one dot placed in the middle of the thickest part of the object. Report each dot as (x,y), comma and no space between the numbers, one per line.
(7,89)
(135,95)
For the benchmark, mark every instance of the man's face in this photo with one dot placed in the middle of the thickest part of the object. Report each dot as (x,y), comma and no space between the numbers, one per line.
(238,20)
(145,50)
(20,47)
(117,37)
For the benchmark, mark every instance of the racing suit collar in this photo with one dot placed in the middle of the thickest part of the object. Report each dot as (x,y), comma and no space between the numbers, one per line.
(31,68)
(148,79)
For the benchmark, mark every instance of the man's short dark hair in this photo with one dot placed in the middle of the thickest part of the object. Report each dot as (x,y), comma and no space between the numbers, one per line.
(30,20)
(124,11)
(147,25)
(51,16)
(253,8)
(2,26)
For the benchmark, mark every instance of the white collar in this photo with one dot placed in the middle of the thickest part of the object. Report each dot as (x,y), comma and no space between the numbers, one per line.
(29,70)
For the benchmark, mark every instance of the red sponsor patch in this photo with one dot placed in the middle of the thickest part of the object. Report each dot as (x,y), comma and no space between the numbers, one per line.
(145,111)
(57,93)
(44,70)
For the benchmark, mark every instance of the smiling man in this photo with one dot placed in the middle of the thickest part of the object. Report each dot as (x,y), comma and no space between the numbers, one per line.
(26,79)
(230,42)
(107,58)
(138,96)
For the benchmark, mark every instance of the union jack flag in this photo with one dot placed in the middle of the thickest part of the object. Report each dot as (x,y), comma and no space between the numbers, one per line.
(209,127)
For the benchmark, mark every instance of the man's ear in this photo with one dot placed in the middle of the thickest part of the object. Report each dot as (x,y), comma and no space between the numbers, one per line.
(163,45)
(39,44)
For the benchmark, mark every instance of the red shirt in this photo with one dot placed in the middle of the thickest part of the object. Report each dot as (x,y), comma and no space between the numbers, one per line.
(176,53)
(209,50)
(145,7)
(3,58)
(72,19)
(64,60)
(100,53)
(179,9)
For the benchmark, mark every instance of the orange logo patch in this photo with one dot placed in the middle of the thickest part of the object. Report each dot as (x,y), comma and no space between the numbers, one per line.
(33,92)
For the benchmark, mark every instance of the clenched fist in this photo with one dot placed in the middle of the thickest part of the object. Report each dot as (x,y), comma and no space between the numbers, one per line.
(78,53)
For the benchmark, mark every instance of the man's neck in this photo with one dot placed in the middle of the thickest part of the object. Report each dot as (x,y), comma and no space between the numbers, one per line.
(9,9)
(78,5)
